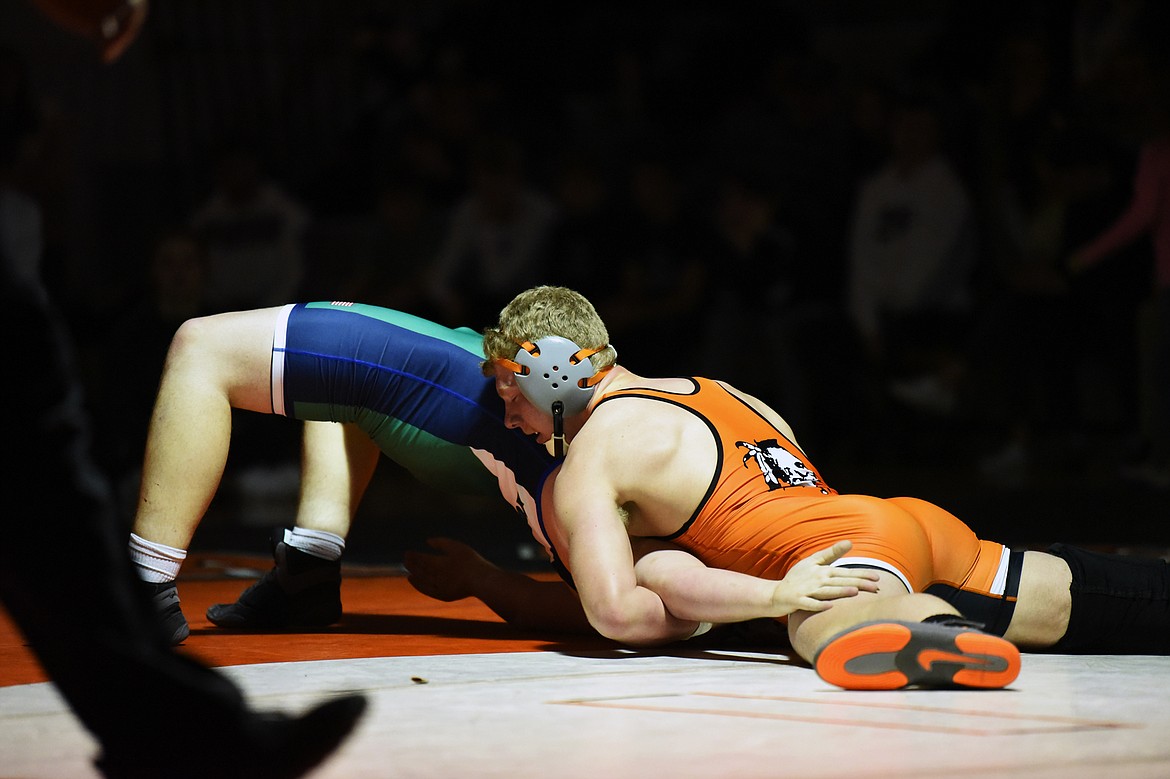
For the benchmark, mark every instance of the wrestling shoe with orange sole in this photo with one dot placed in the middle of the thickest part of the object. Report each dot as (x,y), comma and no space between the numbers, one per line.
(893,655)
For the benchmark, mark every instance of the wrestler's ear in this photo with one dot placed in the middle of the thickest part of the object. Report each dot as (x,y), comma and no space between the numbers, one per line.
(557,370)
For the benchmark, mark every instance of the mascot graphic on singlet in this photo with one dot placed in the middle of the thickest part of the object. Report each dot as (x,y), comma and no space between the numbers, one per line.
(779,466)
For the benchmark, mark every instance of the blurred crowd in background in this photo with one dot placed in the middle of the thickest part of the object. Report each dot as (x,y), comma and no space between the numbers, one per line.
(890,220)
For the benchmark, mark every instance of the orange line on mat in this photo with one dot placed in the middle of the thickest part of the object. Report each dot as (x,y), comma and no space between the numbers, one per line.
(1039,728)
(384,617)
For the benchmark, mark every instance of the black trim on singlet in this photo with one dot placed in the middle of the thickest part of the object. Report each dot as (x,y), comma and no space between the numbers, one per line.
(558,564)
(994,611)
(633,392)
(763,418)
(1011,590)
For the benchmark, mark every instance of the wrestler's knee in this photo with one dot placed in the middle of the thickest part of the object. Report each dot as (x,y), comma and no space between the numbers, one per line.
(230,344)
(201,339)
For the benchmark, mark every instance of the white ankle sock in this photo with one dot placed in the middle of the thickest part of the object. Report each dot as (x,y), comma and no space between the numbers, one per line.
(319,543)
(155,562)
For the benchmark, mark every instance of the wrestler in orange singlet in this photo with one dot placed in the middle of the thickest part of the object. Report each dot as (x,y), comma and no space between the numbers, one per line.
(767,508)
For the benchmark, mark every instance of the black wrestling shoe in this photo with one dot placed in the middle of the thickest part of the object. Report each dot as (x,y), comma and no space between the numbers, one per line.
(302,591)
(244,745)
(165,599)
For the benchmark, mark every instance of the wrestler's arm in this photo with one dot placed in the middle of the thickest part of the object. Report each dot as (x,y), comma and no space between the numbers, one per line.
(587,505)
(455,571)
(690,590)
(693,591)
(452,570)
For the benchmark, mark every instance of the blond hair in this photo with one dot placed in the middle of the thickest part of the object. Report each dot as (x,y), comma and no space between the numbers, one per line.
(542,311)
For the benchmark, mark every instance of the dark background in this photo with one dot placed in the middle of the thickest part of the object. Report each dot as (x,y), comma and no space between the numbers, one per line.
(699,163)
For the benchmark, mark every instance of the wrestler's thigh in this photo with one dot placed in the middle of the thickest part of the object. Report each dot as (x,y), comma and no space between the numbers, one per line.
(230,351)
(809,630)
(1043,604)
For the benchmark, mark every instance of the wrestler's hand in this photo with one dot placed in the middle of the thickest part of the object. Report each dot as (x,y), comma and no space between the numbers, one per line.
(448,575)
(812,584)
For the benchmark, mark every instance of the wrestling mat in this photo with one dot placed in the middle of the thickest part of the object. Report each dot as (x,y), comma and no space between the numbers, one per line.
(455,692)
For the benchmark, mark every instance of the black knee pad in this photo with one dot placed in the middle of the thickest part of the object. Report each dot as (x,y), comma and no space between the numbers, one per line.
(1120,604)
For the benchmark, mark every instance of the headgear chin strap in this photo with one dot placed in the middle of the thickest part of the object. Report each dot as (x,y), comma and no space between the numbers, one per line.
(556,376)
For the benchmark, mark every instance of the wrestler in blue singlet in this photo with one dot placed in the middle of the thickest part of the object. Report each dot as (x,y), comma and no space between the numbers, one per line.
(415,387)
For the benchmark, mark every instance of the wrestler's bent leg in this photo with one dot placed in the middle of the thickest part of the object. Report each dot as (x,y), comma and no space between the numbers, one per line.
(1119,604)
(303,590)
(214,364)
(880,641)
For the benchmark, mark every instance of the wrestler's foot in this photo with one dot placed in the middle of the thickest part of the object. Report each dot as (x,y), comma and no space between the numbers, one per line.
(302,591)
(893,655)
(165,599)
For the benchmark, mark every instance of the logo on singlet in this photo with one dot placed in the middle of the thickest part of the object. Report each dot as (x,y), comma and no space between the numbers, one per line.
(781,468)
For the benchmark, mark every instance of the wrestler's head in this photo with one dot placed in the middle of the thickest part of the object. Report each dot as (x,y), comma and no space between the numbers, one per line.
(545,311)
(547,354)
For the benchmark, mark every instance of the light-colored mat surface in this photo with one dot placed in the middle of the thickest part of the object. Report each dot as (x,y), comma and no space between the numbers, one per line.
(621,714)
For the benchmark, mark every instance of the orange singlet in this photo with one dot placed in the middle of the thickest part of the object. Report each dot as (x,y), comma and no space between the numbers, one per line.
(768,507)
